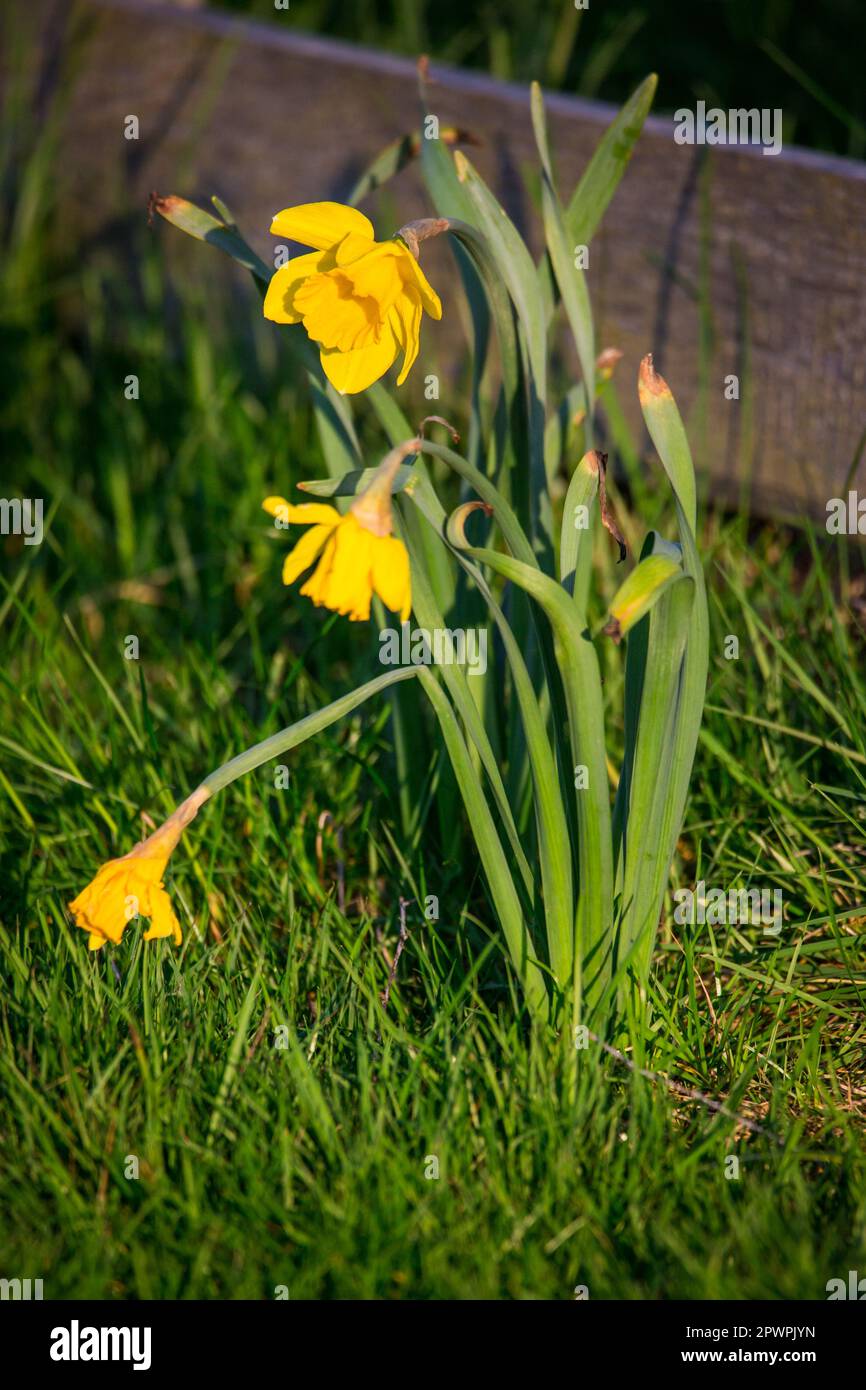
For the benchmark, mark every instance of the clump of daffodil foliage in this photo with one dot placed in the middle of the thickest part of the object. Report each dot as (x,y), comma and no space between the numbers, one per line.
(576,871)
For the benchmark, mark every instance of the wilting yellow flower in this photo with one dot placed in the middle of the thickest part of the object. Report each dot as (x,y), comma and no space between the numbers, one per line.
(132,886)
(358,298)
(355,562)
(359,555)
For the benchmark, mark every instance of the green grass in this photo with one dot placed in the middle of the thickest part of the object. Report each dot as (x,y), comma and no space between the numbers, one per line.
(305,1166)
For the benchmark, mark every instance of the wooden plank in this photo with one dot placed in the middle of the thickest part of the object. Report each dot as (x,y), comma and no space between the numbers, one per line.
(773,247)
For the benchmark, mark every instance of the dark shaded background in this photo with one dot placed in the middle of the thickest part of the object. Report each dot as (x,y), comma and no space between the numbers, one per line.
(806,58)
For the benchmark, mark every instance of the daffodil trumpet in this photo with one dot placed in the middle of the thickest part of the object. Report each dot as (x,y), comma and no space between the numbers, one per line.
(132,886)
(359,299)
(357,554)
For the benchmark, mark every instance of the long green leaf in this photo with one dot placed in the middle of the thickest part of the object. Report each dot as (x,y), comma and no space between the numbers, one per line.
(551,821)
(429,616)
(575,546)
(499,880)
(640,592)
(451,200)
(669,436)
(515,266)
(666,429)
(578,665)
(569,276)
(653,767)
(601,177)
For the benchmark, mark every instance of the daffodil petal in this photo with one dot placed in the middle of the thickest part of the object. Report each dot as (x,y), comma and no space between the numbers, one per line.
(350,372)
(335,315)
(429,298)
(305,552)
(391,578)
(352,248)
(162,919)
(303,513)
(377,275)
(321,224)
(407,312)
(127,888)
(348,588)
(101,907)
(284,284)
(315,586)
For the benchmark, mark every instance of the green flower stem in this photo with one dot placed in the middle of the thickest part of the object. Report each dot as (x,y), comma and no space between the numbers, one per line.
(297,733)
(489,493)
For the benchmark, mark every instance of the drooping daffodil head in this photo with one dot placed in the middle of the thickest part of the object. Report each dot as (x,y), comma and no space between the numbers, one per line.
(357,554)
(132,886)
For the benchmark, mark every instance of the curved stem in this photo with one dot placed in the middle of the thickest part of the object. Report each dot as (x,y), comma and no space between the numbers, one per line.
(297,733)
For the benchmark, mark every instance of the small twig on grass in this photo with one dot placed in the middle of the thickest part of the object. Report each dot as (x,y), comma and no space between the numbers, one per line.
(404,934)
(687,1092)
(260,1033)
(324,819)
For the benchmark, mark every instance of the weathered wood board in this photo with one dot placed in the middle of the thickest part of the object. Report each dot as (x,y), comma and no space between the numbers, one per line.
(773,247)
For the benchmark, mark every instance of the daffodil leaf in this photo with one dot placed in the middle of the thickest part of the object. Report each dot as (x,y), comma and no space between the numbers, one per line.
(653,769)
(351,483)
(608,164)
(561,425)
(554,851)
(569,276)
(668,435)
(401,152)
(651,802)
(643,588)
(387,163)
(581,679)
(600,180)
(222,208)
(201,224)
(451,200)
(429,615)
(503,893)
(514,264)
(575,546)
(391,417)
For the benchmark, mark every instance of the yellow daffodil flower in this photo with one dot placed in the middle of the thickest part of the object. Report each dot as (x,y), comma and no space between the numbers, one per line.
(358,556)
(132,886)
(360,299)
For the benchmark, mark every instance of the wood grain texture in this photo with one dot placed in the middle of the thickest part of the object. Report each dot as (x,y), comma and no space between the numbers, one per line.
(773,247)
